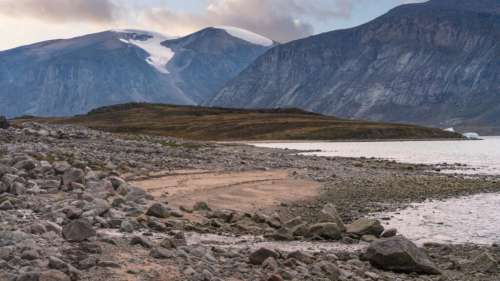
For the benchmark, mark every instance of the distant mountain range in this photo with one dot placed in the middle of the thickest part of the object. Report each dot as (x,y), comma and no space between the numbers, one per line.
(434,63)
(73,76)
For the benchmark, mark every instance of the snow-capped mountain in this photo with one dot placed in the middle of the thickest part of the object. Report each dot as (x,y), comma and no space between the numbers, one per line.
(434,63)
(73,76)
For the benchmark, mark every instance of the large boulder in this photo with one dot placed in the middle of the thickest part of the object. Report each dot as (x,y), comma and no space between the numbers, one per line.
(329,214)
(365,226)
(78,230)
(400,255)
(329,231)
(4,123)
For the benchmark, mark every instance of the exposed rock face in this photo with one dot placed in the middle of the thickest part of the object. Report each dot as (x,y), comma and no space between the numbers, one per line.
(67,77)
(433,63)
(400,255)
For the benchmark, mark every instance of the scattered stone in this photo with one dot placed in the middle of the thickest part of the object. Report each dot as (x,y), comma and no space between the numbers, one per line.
(158,210)
(365,226)
(389,233)
(161,253)
(259,256)
(73,175)
(329,231)
(400,255)
(485,263)
(78,230)
(139,240)
(201,206)
(329,214)
(53,275)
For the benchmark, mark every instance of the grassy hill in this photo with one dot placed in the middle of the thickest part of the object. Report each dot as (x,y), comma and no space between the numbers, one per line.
(220,124)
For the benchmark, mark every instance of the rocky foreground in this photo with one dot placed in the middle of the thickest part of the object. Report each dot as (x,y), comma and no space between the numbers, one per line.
(67,212)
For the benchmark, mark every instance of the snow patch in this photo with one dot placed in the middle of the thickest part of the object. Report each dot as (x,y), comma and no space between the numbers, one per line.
(159,55)
(247,35)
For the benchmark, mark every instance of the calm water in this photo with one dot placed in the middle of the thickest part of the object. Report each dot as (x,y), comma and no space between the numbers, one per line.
(471,219)
(483,155)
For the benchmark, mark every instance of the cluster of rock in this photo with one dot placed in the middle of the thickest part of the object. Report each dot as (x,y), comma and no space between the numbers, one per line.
(62,192)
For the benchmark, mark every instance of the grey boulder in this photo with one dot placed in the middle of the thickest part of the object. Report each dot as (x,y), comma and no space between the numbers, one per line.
(78,230)
(399,254)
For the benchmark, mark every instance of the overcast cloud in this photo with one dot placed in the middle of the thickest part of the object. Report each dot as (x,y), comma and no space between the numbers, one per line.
(281,20)
(99,11)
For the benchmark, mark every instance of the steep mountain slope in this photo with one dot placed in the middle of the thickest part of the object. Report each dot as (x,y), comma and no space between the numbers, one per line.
(66,77)
(435,63)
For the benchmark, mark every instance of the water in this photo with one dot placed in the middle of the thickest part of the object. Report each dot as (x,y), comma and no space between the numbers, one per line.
(471,219)
(482,157)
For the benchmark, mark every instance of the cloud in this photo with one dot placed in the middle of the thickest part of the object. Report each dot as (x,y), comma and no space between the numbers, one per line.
(98,11)
(281,20)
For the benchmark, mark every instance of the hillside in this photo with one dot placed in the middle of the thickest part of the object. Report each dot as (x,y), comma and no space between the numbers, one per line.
(434,63)
(73,76)
(219,124)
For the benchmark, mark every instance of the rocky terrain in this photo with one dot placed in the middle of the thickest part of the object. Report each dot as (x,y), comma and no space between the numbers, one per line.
(69,211)
(432,63)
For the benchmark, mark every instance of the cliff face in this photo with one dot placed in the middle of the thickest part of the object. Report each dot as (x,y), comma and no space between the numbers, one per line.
(436,63)
(73,76)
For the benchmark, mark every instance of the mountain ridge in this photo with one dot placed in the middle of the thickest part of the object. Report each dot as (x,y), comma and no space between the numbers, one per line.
(72,76)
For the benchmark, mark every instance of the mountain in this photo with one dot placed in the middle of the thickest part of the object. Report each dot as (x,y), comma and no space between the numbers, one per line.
(434,63)
(73,76)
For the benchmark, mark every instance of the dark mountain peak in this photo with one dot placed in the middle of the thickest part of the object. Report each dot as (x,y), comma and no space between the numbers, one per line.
(219,40)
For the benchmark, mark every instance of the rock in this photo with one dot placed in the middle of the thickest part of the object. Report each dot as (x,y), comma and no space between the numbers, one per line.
(4,123)
(158,210)
(126,226)
(329,269)
(61,166)
(116,181)
(139,240)
(53,275)
(161,253)
(73,175)
(330,231)
(400,255)
(485,263)
(300,256)
(108,264)
(28,165)
(57,263)
(365,226)
(368,238)
(28,276)
(270,264)
(389,233)
(259,256)
(6,205)
(275,277)
(78,230)
(201,206)
(329,214)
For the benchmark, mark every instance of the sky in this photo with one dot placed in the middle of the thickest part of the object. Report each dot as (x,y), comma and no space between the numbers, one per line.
(24,22)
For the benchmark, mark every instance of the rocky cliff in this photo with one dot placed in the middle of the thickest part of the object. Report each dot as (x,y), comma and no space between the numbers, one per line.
(434,63)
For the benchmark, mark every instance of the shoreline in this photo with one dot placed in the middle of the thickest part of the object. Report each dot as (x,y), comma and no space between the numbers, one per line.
(219,173)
